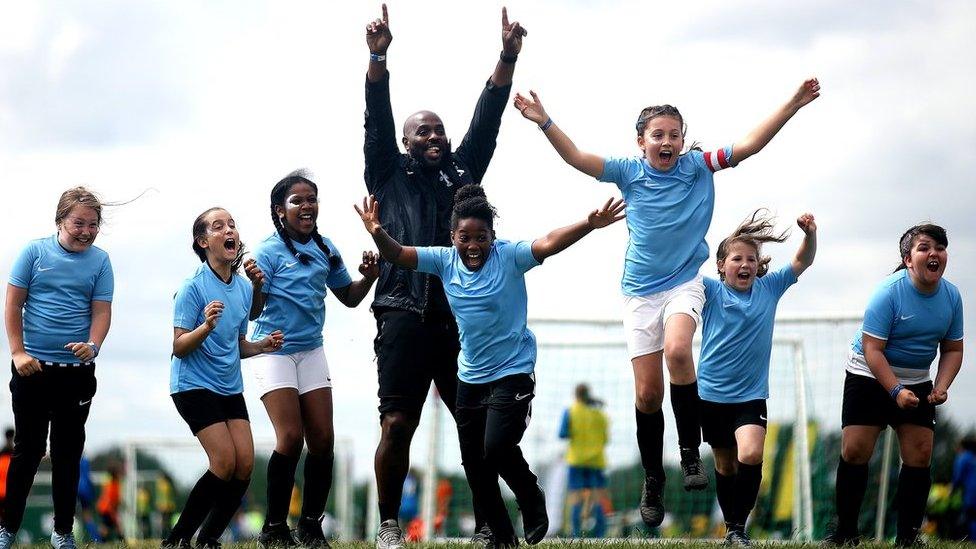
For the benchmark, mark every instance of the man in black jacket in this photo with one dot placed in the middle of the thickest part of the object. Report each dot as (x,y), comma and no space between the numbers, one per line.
(417,338)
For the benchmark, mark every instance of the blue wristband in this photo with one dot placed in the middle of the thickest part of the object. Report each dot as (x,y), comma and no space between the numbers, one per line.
(895,390)
(546,124)
(377,57)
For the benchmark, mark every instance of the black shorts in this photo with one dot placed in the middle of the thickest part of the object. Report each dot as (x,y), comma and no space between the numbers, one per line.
(412,351)
(201,408)
(719,420)
(867,403)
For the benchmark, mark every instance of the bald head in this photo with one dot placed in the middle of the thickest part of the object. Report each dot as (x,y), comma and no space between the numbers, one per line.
(424,138)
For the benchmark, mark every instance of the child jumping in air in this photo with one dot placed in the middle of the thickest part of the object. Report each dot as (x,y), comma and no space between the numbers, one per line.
(733,369)
(298,265)
(670,196)
(484,280)
(209,327)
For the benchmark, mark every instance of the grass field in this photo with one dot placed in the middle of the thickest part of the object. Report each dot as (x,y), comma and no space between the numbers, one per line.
(549,543)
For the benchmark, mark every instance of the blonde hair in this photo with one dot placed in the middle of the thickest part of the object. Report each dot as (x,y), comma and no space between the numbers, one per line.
(77,196)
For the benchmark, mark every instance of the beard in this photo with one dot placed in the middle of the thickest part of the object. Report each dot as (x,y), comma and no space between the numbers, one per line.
(417,155)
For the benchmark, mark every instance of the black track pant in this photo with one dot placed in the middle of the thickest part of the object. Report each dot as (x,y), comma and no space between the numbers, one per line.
(61,397)
(491,419)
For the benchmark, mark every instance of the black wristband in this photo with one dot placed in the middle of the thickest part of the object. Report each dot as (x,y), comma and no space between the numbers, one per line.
(508,58)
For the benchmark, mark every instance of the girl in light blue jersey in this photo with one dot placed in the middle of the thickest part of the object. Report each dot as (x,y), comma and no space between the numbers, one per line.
(484,280)
(670,197)
(913,314)
(209,325)
(733,369)
(58,312)
(298,266)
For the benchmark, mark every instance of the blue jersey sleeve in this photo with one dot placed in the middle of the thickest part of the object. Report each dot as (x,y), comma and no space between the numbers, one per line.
(338,277)
(524,260)
(187,307)
(431,259)
(712,287)
(955,332)
(23,268)
(617,170)
(564,425)
(879,314)
(780,280)
(104,283)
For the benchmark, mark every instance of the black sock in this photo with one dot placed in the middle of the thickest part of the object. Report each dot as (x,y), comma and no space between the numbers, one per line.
(852,481)
(913,494)
(198,504)
(724,486)
(281,481)
(225,506)
(686,404)
(318,483)
(746,490)
(650,442)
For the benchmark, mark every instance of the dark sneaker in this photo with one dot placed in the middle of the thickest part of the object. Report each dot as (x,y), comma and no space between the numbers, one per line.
(535,520)
(63,541)
(389,536)
(276,536)
(693,470)
(207,544)
(309,534)
(838,538)
(7,538)
(481,538)
(909,539)
(737,536)
(652,502)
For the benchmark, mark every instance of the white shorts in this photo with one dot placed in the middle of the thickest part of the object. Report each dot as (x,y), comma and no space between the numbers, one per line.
(645,316)
(304,371)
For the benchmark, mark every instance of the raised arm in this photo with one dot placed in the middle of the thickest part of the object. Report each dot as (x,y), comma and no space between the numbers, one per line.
(378,38)
(562,238)
(380,144)
(808,248)
(512,34)
(390,249)
(758,138)
(532,109)
(256,276)
(353,294)
(950,361)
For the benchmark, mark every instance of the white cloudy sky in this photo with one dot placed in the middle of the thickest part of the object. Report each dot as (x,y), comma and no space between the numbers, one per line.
(211,103)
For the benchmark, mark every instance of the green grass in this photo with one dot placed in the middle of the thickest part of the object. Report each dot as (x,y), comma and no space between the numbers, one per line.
(555,543)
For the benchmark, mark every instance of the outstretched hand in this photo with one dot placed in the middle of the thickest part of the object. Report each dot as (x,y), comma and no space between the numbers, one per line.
(512,34)
(370,267)
(807,223)
(610,213)
(370,214)
(378,35)
(808,91)
(531,108)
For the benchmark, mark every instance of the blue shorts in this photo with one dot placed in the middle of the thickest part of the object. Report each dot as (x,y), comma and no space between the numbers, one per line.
(585,477)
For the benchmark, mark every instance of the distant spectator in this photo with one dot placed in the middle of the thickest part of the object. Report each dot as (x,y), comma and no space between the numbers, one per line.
(964,480)
(109,503)
(586,427)
(5,454)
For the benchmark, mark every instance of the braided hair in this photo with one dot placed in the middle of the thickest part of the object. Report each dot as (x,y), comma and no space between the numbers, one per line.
(470,202)
(278,195)
(200,231)
(754,231)
(907,240)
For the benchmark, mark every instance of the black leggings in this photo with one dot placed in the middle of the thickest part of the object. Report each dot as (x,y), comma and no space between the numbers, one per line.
(60,396)
(491,419)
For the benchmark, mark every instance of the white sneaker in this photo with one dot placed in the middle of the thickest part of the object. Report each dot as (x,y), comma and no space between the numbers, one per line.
(389,536)
(63,541)
(6,538)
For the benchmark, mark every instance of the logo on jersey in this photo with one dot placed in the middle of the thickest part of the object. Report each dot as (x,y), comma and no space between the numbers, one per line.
(290,265)
(42,269)
(903,317)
